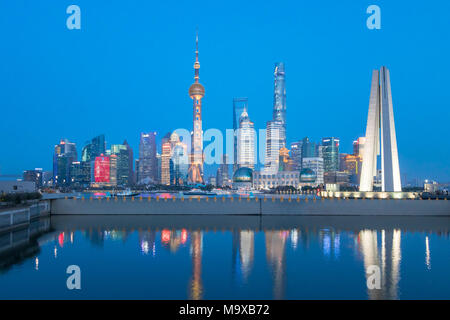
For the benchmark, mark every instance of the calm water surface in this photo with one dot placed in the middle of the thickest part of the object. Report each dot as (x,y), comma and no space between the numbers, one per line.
(198,257)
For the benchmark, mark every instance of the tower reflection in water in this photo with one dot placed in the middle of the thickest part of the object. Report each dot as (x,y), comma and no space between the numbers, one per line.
(196,285)
(243,248)
(276,258)
(385,254)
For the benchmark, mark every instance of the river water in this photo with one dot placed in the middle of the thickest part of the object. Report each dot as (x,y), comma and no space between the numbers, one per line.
(228,257)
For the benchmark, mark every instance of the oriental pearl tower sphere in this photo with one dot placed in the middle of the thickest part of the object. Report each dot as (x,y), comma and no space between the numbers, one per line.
(196,92)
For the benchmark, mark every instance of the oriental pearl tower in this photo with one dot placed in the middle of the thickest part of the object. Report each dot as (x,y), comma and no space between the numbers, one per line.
(196,92)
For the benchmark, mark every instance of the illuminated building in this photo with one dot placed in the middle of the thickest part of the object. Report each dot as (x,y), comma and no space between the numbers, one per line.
(113,164)
(65,154)
(179,161)
(174,160)
(358,146)
(196,92)
(166,151)
(330,154)
(102,169)
(316,165)
(76,174)
(122,154)
(279,101)
(380,117)
(91,150)
(296,155)
(246,142)
(285,163)
(148,165)
(222,176)
(430,186)
(308,176)
(34,176)
(336,177)
(352,165)
(264,180)
(242,178)
(276,128)
(239,104)
(273,145)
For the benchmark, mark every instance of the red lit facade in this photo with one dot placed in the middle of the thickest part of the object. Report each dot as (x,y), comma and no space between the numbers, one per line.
(102,169)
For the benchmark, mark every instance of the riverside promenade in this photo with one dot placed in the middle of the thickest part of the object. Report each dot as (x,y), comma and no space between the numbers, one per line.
(276,206)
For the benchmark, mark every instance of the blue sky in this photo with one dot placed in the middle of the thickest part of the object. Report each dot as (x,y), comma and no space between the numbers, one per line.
(129,68)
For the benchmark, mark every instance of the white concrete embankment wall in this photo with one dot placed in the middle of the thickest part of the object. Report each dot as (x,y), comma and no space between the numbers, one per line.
(269,206)
(15,217)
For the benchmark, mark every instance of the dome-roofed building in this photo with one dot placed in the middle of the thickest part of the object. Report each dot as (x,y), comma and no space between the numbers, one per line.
(307,175)
(242,178)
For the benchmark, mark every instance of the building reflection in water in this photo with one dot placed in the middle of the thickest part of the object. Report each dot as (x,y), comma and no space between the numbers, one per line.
(196,285)
(331,242)
(173,239)
(243,248)
(294,239)
(147,242)
(427,253)
(276,258)
(386,255)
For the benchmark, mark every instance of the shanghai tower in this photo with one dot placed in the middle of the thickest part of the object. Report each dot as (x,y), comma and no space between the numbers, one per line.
(196,92)
(279,101)
(276,128)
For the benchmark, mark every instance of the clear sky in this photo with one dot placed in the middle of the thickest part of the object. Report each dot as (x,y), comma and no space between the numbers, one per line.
(129,68)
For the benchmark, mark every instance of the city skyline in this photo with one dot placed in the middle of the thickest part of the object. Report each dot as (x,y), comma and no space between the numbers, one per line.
(348,126)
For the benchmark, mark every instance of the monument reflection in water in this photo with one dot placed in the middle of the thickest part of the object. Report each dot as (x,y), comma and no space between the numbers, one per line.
(247,257)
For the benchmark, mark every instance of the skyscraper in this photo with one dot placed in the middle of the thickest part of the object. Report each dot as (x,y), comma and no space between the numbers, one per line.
(239,104)
(148,167)
(296,155)
(279,100)
(246,141)
(91,150)
(166,152)
(309,149)
(358,146)
(131,177)
(380,117)
(196,92)
(121,152)
(113,169)
(276,128)
(273,146)
(102,169)
(330,154)
(179,161)
(222,176)
(34,176)
(65,154)
(98,146)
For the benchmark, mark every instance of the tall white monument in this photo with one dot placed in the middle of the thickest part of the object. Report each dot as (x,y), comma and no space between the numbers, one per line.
(380,118)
